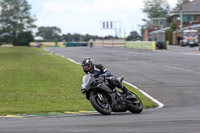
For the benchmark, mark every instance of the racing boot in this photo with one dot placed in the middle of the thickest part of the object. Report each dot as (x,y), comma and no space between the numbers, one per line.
(125,90)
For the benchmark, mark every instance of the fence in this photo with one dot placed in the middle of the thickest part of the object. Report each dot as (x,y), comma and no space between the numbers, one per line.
(110,43)
(49,44)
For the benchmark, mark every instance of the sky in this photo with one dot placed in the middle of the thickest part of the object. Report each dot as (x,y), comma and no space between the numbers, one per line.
(86,16)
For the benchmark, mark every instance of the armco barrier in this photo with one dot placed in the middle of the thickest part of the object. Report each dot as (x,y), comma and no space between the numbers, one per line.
(76,44)
(141,44)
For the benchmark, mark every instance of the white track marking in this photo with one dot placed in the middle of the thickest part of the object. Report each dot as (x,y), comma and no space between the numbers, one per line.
(182,69)
(160,105)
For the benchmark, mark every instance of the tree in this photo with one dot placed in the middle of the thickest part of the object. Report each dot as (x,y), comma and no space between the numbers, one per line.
(181,2)
(78,37)
(49,33)
(142,31)
(67,37)
(15,19)
(24,38)
(172,29)
(133,36)
(156,8)
(87,37)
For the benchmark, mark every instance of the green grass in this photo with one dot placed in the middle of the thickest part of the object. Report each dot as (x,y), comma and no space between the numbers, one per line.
(35,81)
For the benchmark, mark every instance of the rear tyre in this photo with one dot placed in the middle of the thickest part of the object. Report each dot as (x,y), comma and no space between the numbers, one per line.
(136,106)
(100,103)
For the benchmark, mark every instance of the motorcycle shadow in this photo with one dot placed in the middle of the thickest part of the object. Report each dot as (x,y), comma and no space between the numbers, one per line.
(113,114)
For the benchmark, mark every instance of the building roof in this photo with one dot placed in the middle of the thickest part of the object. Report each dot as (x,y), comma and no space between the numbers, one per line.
(158,18)
(195,26)
(160,31)
(191,7)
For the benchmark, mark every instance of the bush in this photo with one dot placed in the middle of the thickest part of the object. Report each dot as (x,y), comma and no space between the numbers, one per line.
(23,39)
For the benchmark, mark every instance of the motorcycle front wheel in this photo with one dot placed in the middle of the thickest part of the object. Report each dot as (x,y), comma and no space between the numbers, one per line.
(100,103)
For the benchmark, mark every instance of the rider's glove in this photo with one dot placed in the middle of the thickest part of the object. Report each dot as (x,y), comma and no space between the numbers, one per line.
(83,91)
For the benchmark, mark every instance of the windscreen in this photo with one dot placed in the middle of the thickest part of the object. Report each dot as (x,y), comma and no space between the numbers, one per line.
(86,78)
(191,34)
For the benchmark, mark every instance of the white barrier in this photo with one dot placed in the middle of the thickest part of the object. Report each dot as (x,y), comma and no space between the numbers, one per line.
(110,43)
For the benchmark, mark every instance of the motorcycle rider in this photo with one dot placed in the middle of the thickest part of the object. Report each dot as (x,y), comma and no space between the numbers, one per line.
(98,70)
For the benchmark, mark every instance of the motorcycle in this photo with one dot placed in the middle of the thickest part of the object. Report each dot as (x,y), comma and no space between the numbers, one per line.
(106,99)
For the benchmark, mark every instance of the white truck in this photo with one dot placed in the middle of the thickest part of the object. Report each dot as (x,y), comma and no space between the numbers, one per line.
(190,38)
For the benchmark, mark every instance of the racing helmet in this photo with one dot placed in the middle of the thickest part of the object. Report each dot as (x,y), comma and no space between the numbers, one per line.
(87,64)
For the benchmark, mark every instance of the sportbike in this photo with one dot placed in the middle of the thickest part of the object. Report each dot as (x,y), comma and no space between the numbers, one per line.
(106,99)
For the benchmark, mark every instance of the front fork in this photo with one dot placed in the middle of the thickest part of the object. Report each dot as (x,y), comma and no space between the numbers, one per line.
(100,96)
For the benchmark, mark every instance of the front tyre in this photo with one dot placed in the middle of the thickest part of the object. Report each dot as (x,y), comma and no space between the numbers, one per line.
(100,103)
(135,105)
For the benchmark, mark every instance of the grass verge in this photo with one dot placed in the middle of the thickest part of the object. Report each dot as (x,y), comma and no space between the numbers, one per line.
(35,81)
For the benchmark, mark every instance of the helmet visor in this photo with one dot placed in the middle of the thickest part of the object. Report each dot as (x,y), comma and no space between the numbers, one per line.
(85,66)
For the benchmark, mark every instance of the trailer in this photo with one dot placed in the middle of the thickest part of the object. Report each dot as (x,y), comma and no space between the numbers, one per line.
(160,37)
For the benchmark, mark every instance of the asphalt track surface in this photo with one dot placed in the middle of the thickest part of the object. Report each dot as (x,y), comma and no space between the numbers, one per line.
(172,77)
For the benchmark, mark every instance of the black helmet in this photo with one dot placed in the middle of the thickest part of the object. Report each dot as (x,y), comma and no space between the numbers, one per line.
(87,64)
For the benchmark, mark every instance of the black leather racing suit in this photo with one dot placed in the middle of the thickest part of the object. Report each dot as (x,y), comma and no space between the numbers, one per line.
(99,70)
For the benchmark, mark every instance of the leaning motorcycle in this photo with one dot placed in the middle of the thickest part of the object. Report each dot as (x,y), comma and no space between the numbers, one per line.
(106,99)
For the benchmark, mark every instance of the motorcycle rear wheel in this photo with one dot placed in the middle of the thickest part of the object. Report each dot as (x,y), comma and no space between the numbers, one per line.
(102,107)
(136,107)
